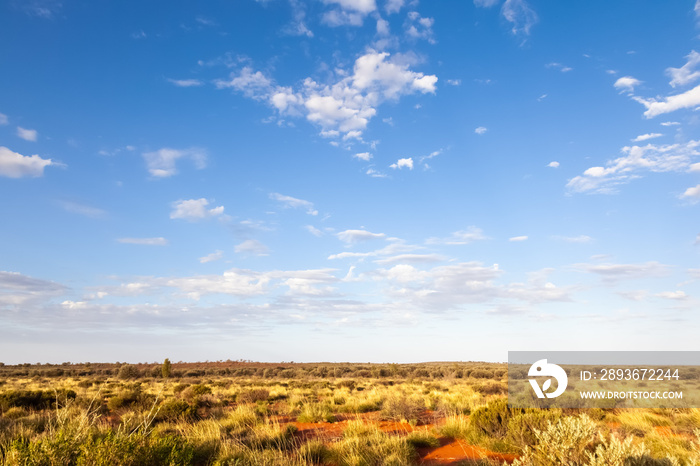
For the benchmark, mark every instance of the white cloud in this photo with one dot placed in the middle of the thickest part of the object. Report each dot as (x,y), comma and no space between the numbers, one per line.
(14,165)
(355,236)
(349,12)
(553,164)
(3,119)
(214,256)
(27,134)
(313,230)
(655,107)
(345,106)
(374,173)
(403,163)
(687,73)
(575,239)
(186,82)
(486,3)
(160,241)
(461,237)
(518,238)
(161,163)
(194,209)
(693,192)
(298,25)
(674,295)
(644,137)
(670,123)
(480,130)
(418,27)
(361,6)
(294,203)
(454,82)
(636,159)
(627,84)
(559,66)
(411,258)
(252,246)
(694,168)
(519,13)
(366,156)
(393,6)
(80,209)
(615,272)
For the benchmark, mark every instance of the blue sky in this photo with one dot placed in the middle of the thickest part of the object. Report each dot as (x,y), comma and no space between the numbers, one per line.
(347,180)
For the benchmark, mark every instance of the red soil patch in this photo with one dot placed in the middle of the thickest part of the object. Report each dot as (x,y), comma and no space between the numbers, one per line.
(456,451)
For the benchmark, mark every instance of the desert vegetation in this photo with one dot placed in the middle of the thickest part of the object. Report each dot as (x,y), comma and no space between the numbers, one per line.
(245,413)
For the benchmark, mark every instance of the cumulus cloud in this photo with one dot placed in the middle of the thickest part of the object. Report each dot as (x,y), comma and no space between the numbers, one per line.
(626,84)
(693,193)
(27,134)
(186,82)
(635,161)
(480,130)
(687,73)
(461,237)
(214,256)
(645,137)
(366,156)
(159,241)
(348,12)
(161,163)
(356,236)
(15,165)
(252,246)
(194,209)
(403,163)
(518,238)
(553,164)
(393,6)
(418,27)
(294,203)
(346,106)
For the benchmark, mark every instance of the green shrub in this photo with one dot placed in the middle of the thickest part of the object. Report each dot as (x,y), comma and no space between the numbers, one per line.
(314,452)
(522,426)
(128,371)
(401,408)
(253,395)
(492,419)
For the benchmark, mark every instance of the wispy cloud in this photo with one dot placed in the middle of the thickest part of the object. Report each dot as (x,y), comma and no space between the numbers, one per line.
(186,82)
(290,202)
(159,241)
(461,237)
(645,137)
(356,236)
(520,15)
(81,209)
(214,256)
